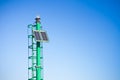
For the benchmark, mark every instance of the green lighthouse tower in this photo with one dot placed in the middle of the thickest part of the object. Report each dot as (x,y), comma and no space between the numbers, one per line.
(36,36)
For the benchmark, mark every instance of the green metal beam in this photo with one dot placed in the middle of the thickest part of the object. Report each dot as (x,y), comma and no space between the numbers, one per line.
(32,55)
(38,53)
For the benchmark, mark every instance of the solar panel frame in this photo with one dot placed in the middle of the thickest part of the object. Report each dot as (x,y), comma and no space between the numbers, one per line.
(40,36)
(44,36)
(37,36)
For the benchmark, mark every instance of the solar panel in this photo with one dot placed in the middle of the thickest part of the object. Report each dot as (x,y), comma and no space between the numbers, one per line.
(44,36)
(40,36)
(37,36)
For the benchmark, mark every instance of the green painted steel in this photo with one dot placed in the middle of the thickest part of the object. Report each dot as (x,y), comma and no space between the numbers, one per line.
(31,55)
(35,53)
(38,53)
(38,26)
(38,62)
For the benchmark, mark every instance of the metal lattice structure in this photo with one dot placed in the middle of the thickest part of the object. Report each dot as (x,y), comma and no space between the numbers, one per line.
(35,47)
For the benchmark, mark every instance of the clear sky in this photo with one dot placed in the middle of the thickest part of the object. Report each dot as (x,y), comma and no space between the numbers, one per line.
(84,38)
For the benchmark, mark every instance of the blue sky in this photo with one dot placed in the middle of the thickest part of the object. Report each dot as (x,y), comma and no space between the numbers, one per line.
(84,38)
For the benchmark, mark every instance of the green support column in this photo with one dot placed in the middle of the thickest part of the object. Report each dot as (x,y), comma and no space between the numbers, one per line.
(38,52)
